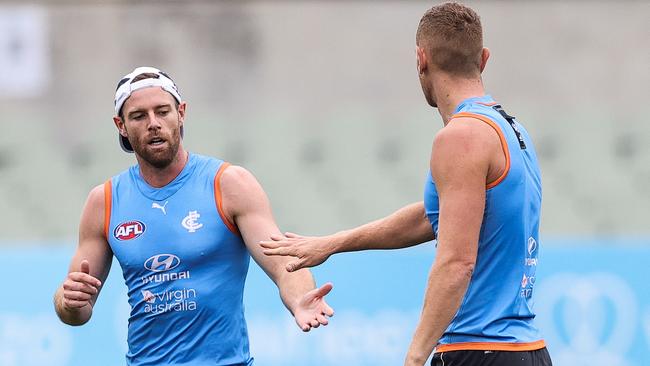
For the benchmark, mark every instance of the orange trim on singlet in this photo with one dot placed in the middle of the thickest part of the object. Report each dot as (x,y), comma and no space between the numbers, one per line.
(490,346)
(218,200)
(487,104)
(108,201)
(502,137)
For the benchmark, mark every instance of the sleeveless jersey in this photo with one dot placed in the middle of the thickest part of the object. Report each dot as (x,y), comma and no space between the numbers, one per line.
(184,265)
(496,312)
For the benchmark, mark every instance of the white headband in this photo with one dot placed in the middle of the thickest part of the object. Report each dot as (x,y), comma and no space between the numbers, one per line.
(126,86)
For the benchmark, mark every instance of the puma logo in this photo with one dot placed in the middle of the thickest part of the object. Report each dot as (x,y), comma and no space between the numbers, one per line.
(162,208)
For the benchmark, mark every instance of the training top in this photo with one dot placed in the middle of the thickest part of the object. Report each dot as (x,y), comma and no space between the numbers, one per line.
(496,312)
(184,264)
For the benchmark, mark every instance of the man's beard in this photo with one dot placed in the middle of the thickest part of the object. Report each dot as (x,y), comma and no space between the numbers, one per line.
(159,159)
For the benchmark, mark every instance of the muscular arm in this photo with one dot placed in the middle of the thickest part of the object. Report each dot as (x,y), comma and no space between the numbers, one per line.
(460,163)
(405,227)
(245,202)
(89,267)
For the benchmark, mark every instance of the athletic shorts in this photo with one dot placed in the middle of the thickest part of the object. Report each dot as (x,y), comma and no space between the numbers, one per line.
(538,357)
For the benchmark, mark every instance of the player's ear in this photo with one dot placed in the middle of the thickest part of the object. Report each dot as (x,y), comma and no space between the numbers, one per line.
(181,111)
(421,59)
(119,123)
(485,55)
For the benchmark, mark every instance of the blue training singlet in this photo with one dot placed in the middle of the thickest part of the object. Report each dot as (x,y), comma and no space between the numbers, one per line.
(184,265)
(496,312)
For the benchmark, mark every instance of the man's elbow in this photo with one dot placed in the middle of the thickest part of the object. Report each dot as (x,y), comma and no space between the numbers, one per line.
(465,269)
(460,269)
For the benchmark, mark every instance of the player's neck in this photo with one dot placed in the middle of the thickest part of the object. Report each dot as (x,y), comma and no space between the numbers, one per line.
(160,177)
(450,92)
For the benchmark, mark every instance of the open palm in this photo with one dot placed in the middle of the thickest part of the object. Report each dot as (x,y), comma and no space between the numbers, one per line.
(312,310)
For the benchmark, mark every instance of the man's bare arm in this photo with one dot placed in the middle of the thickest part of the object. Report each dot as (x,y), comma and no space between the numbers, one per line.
(246,203)
(89,267)
(460,163)
(405,227)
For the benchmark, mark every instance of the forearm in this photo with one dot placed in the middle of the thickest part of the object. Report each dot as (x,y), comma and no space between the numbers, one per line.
(78,316)
(293,286)
(445,290)
(405,227)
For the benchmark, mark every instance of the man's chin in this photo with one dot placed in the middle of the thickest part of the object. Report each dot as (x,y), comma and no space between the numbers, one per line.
(156,157)
(159,163)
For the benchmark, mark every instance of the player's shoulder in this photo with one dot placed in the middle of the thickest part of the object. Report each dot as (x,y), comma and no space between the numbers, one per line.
(96,198)
(230,179)
(465,141)
(97,192)
(461,130)
(467,131)
(240,190)
(236,175)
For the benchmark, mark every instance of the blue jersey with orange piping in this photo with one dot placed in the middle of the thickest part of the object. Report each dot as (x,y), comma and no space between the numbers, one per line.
(184,265)
(496,312)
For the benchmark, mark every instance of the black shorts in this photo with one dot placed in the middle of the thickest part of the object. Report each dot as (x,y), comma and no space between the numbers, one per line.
(538,357)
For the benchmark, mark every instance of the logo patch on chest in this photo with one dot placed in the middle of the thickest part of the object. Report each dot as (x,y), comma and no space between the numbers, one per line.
(129,230)
(160,207)
(162,262)
(190,222)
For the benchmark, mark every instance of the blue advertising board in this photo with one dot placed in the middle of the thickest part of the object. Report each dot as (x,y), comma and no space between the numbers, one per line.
(592,301)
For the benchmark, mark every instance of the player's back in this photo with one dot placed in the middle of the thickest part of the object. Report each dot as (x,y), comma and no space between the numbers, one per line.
(496,311)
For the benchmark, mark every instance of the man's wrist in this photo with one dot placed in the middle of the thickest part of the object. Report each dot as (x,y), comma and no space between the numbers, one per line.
(72,316)
(338,242)
(416,356)
(412,360)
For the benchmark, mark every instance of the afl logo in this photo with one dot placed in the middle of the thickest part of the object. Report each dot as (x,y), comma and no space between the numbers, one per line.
(128,230)
(162,262)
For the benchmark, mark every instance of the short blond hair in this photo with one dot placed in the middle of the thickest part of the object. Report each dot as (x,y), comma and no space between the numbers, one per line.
(452,36)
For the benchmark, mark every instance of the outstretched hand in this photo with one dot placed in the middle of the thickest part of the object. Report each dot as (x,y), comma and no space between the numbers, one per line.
(312,310)
(308,251)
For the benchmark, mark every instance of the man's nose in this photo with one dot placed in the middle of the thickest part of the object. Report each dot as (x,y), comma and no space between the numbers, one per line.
(154,122)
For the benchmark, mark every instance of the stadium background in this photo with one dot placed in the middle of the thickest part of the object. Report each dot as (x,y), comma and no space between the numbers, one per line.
(320,100)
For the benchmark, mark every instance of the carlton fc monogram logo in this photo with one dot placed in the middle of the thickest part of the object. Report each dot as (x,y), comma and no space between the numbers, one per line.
(190,222)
